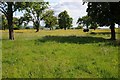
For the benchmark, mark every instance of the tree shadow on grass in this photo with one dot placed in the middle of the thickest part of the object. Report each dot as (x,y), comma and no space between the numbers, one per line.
(100,33)
(103,33)
(72,39)
(77,40)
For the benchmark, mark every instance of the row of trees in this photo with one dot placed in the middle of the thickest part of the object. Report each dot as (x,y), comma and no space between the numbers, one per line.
(103,14)
(63,21)
(33,11)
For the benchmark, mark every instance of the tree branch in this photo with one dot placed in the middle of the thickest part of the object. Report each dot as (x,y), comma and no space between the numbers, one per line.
(3,9)
(4,12)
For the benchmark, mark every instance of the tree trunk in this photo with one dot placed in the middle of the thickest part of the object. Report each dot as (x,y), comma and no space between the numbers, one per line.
(37,23)
(112,27)
(65,28)
(37,29)
(37,26)
(10,20)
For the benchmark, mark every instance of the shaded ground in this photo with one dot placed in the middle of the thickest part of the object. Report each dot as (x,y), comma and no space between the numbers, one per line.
(78,40)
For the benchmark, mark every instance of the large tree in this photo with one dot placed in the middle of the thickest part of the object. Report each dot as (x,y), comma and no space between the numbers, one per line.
(50,19)
(8,8)
(64,20)
(34,13)
(105,14)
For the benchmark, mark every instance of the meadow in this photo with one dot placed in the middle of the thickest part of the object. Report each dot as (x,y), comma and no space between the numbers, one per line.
(60,54)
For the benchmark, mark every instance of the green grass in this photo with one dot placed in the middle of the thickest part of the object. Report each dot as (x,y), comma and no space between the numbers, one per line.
(59,54)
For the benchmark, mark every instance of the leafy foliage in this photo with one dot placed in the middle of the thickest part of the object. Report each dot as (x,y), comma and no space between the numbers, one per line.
(87,21)
(34,13)
(105,14)
(4,22)
(8,8)
(64,20)
(50,19)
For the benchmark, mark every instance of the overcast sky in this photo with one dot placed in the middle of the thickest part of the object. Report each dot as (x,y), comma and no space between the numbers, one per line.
(74,8)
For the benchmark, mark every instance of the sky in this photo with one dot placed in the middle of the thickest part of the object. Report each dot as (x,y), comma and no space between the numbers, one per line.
(74,8)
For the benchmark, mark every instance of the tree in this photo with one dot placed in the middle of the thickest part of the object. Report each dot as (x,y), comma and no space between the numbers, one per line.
(50,19)
(34,12)
(105,14)
(64,20)
(25,20)
(8,8)
(87,21)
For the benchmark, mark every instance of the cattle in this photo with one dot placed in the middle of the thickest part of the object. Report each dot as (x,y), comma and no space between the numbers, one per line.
(85,30)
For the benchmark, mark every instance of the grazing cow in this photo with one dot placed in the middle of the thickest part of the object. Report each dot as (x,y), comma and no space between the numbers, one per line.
(85,30)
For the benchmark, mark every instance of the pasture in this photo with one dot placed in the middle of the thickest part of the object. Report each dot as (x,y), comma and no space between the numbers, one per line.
(60,54)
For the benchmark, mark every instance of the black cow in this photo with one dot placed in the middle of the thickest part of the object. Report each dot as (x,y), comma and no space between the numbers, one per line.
(85,30)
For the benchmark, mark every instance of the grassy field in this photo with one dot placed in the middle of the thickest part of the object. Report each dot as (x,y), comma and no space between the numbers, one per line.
(60,54)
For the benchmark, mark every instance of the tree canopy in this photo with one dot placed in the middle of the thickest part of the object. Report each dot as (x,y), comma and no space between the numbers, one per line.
(34,13)
(50,19)
(105,14)
(64,20)
(87,21)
